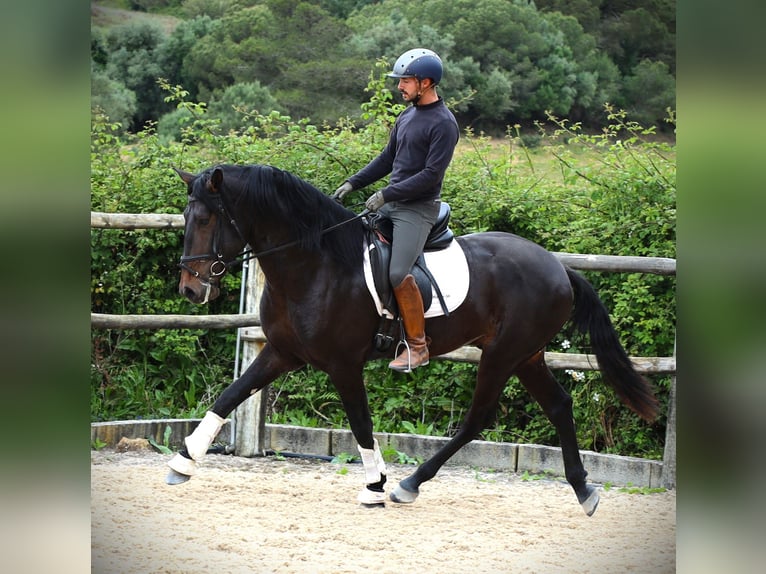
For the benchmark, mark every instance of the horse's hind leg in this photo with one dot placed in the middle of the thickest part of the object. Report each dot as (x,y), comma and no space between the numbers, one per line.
(537,378)
(267,366)
(493,373)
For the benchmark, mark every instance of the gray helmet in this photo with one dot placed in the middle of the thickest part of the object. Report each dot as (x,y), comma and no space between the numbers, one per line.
(418,63)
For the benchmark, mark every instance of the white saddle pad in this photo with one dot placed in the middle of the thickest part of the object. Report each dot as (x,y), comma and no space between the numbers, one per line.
(450,270)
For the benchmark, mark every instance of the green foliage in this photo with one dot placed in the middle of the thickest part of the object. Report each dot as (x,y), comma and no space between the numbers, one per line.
(630,489)
(212,8)
(545,475)
(505,62)
(649,91)
(146,374)
(112,98)
(390,454)
(133,60)
(344,458)
(164,448)
(238,100)
(610,193)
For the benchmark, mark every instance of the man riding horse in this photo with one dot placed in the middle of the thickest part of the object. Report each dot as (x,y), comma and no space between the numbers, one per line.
(418,152)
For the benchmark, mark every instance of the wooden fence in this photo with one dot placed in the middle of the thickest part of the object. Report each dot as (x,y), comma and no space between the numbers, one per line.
(248,423)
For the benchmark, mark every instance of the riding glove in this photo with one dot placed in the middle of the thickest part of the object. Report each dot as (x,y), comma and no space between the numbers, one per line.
(341,192)
(375,201)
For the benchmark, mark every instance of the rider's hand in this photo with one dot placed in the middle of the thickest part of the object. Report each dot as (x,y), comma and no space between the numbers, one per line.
(342,191)
(375,201)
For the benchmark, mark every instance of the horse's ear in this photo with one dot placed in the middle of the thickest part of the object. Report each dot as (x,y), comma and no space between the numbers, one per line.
(184,175)
(216,179)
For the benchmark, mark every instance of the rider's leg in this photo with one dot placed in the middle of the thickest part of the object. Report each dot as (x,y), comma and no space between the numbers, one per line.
(412,224)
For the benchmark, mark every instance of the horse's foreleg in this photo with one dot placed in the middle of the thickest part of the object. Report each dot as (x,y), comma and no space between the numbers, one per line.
(350,385)
(184,464)
(537,378)
(373,493)
(264,369)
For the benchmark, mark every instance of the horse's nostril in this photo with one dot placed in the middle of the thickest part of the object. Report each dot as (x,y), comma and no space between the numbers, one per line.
(188,292)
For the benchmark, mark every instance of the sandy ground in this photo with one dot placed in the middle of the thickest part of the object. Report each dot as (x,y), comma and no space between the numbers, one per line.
(296,516)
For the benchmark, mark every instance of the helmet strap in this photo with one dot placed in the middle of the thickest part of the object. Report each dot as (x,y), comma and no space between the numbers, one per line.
(416,99)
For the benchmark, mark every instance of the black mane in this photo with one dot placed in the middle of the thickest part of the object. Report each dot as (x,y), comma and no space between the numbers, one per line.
(280,195)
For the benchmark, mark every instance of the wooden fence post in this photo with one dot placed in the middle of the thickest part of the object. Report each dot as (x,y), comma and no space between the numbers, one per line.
(249,420)
(669,456)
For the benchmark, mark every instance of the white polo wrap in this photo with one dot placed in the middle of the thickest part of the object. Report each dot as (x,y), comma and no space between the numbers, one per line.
(374,465)
(200,440)
(183,465)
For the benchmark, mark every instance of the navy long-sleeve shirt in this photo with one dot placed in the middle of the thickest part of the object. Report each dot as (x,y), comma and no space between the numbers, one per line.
(418,152)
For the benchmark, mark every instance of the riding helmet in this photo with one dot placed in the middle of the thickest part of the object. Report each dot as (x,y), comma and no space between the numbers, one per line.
(418,63)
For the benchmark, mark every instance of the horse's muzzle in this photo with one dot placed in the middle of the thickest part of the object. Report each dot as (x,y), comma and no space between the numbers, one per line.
(196,290)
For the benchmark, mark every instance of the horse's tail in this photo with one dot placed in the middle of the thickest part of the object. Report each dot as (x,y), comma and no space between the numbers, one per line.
(591,317)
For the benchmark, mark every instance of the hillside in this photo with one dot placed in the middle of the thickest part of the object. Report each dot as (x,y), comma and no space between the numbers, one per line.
(107,16)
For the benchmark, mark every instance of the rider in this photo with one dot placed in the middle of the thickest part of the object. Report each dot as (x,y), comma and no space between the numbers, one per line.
(419,150)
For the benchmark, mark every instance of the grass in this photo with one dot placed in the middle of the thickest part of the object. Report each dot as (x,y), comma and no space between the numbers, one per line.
(540,159)
(115,13)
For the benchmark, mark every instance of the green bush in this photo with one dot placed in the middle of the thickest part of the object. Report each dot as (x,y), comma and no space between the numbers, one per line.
(611,193)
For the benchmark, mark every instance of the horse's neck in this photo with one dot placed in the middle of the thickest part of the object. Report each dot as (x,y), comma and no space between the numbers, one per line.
(292,271)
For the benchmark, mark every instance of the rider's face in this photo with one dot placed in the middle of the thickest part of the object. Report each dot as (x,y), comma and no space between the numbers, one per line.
(409,88)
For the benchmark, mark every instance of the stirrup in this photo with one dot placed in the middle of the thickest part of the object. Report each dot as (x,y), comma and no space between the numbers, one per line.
(408,350)
(402,342)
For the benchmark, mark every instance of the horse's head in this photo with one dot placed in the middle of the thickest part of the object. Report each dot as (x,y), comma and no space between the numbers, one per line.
(212,240)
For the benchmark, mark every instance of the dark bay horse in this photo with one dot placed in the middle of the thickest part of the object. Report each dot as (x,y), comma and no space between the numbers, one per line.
(316,310)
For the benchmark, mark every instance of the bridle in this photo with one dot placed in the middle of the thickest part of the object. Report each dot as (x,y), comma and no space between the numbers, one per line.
(219,266)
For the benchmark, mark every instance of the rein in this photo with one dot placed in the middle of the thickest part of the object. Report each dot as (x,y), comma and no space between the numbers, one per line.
(219,266)
(245,257)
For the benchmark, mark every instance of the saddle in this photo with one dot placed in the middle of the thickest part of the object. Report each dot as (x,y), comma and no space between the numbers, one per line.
(380,236)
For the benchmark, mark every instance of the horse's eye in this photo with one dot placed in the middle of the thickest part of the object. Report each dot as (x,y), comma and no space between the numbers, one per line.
(203,221)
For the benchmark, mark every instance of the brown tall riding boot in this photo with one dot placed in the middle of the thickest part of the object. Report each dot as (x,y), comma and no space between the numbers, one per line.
(411,308)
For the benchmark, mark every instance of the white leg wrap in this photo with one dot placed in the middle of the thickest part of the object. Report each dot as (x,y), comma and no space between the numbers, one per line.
(200,440)
(183,465)
(374,465)
(369,497)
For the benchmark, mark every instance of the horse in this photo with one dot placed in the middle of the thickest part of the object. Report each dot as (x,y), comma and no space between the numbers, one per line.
(317,310)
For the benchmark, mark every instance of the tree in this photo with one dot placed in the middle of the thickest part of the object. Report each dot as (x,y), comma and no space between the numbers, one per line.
(648,92)
(134,61)
(173,52)
(586,12)
(505,61)
(343,8)
(543,60)
(215,9)
(236,100)
(112,98)
(304,80)
(235,48)
(634,31)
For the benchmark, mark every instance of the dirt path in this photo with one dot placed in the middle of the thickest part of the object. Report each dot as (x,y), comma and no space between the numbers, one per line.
(295,516)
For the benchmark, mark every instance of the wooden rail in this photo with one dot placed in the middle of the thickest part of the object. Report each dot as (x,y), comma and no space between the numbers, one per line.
(132,221)
(106,321)
(609,263)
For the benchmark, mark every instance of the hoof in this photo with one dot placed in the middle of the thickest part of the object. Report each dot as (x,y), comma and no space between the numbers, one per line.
(371,498)
(402,495)
(174,477)
(590,504)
